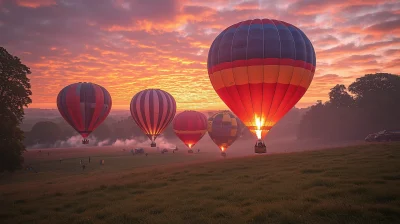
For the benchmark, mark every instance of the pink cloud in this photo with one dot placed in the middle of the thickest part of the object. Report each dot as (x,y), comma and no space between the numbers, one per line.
(130,45)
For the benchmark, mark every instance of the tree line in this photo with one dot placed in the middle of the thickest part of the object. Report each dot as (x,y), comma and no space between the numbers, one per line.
(369,104)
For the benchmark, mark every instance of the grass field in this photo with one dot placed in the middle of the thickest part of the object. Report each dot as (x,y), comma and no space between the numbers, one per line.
(358,184)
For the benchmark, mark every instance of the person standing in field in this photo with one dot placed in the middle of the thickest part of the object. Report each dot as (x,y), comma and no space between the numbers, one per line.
(89,159)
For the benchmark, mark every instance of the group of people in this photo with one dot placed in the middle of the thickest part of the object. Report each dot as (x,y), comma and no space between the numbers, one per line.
(83,164)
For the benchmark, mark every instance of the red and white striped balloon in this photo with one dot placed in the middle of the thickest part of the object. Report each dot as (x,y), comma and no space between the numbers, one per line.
(153,110)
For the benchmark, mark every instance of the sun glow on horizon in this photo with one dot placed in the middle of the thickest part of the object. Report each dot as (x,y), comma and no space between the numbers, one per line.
(165,44)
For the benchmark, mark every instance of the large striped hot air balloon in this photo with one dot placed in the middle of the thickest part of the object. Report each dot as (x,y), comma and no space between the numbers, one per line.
(153,110)
(223,128)
(84,106)
(261,69)
(190,126)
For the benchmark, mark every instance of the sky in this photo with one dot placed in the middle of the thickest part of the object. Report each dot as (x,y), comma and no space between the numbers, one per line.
(127,46)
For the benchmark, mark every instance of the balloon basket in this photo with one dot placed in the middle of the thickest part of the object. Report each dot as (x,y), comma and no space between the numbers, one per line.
(153,144)
(85,141)
(260,149)
(190,151)
(223,154)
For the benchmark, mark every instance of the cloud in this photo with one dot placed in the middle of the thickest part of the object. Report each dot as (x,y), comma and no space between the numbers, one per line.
(127,46)
(35,3)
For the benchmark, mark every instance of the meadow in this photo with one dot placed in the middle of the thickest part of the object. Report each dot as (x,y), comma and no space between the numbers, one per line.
(354,184)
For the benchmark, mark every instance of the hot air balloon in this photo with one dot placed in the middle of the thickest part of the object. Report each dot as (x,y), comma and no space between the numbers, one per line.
(153,110)
(223,129)
(84,106)
(190,126)
(261,68)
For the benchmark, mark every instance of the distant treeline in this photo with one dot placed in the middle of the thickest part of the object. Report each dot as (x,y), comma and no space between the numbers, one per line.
(46,132)
(370,104)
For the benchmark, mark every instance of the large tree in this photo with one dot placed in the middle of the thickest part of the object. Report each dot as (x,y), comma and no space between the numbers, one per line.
(45,132)
(339,97)
(379,96)
(14,96)
(373,108)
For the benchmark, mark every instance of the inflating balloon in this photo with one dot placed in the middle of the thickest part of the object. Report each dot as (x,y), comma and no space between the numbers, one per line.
(261,69)
(223,129)
(153,110)
(190,126)
(84,106)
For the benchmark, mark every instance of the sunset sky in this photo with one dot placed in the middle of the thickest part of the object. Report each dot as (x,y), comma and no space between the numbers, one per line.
(127,46)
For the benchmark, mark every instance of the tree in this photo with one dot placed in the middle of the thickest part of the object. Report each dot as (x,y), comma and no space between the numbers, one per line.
(376,84)
(102,132)
(14,96)
(339,97)
(379,96)
(45,132)
(374,108)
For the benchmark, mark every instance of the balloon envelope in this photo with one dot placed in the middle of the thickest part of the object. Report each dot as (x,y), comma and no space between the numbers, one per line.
(153,110)
(190,126)
(261,69)
(84,106)
(223,129)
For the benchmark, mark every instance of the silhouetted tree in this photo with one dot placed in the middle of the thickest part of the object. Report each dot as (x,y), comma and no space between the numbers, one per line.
(169,133)
(374,107)
(339,97)
(44,132)
(379,96)
(67,131)
(102,132)
(14,96)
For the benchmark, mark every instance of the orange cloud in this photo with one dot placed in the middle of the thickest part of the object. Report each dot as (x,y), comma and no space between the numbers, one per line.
(35,3)
(127,46)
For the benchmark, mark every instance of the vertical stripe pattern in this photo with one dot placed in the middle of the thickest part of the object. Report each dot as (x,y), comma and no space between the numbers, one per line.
(153,110)
(190,126)
(84,106)
(261,68)
(223,129)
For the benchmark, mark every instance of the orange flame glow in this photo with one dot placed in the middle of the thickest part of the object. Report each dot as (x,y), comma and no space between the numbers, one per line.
(190,146)
(222,148)
(258,122)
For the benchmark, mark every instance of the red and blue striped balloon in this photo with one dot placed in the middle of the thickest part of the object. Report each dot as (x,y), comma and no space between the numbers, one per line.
(153,110)
(261,68)
(84,106)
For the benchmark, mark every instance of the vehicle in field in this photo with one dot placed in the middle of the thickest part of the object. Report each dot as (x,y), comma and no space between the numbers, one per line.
(370,137)
(164,151)
(385,135)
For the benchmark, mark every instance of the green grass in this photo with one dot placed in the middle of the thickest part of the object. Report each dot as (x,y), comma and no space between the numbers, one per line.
(357,184)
